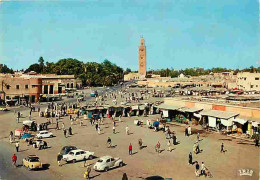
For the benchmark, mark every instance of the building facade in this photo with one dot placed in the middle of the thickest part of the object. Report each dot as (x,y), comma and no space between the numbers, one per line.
(29,87)
(248,81)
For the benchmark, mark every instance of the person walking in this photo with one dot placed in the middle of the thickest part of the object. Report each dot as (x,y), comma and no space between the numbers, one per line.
(174,139)
(70,131)
(197,168)
(158,146)
(140,142)
(17,146)
(59,158)
(14,159)
(130,148)
(203,169)
(169,146)
(257,141)
(114,130)
(198,136)
(62,126)
(124,177)
(186,131)
(65,133)
(88,171)
(127,130)
(190,159)
(57,125)
(96,126)
(99,130)
(189,130)
(222,148)
(109,141)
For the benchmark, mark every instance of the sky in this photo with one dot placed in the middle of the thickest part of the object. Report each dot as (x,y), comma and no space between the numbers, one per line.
(178,33)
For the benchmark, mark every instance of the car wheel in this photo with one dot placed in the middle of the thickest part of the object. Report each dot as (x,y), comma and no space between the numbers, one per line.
(90,157)
(120,164)
(106,169)
(74,160)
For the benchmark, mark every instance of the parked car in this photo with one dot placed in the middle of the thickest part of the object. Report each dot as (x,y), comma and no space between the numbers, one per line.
(107,162)
(67,149)
(32,162)
(94,94)
(154,178)
(44,134)
(77,155)
(3,109)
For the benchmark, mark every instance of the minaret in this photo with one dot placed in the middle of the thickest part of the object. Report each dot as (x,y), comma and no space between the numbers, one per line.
(142,59)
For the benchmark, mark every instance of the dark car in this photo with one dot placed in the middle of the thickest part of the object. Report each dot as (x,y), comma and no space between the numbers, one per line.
(67,149)
(154,178)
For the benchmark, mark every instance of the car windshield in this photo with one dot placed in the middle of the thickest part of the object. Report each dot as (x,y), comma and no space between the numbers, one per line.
(34,159)
(100,161)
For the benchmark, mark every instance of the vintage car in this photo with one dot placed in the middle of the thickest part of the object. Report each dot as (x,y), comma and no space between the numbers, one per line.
(32,162)
(44,134)
(77,155)
(107,162)
(94,94)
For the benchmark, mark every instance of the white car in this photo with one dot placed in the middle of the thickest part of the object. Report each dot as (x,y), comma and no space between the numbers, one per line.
(107,162)
(44,134)
(78,155)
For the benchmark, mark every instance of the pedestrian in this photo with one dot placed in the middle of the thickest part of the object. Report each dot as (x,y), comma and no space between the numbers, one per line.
(222,148)
(57,125)
(190,158)
(189,130)
(203,169)
(198,136)
(130,148)
(197,148)
(62,126)
(114,130)
(197,168)
(127,130)
(109,141)
(158,146)
(99,130)
(88,171)
(17,146)
(169,146)
(256,142)
(186,131)
(124,177)
(140,142)
(14,159)
(96,126)
(194,148)
(65,133)
(81,122)
(70,131)
(59,158)
(174,139)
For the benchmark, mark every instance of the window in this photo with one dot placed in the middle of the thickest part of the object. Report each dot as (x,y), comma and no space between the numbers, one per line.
(17,86)
(244,78)
(26,86)
(77,153)
(82,152)
(7,86)
(108,160)
(252,86)
(257,78)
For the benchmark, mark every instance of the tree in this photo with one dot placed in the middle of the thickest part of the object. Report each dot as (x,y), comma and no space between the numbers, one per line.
(34,67)
(127,71)
(4,69)
(41,64)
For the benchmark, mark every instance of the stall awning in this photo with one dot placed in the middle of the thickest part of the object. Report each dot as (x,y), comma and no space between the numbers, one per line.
(240,121)
(219,114)
(190,109)
(168,107)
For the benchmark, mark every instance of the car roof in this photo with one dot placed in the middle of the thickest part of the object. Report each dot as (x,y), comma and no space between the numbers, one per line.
(43,131)
(76,150)
(105,157)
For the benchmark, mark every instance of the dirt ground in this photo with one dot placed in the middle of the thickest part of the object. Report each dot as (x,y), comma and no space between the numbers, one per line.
(143,163)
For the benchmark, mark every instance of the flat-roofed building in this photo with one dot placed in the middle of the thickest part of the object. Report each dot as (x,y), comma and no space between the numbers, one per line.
(248,81)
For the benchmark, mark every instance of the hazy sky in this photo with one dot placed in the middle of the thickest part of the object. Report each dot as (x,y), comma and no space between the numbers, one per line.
(178,33)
